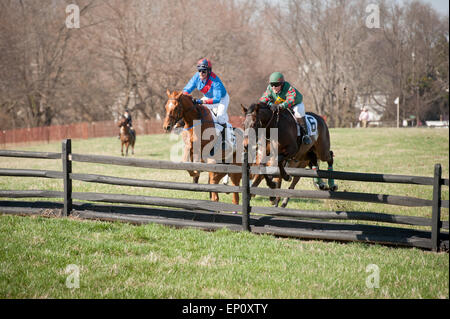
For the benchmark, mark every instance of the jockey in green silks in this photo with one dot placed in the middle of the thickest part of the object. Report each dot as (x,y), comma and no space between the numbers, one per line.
(282,95)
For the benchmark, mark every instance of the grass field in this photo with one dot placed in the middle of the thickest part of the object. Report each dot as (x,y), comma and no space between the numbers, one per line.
(122,261)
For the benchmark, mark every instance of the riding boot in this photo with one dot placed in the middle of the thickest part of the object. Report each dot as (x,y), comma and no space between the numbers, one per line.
(306,139)
(228,137)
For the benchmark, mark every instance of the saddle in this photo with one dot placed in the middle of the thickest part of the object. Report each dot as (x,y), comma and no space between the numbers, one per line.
(310,122)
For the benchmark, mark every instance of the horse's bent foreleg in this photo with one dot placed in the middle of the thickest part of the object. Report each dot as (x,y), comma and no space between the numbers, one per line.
(255,182)
(276,200)
(283,174)
(269,181)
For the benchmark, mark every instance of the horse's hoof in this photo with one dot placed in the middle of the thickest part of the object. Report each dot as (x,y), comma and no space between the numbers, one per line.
(333,188)
(271,185)
(320,186)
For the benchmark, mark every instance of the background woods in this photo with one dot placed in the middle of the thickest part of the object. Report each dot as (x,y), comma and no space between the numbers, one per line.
(127,53)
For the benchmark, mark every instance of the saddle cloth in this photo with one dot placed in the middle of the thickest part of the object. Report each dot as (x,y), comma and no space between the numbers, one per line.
(311,124)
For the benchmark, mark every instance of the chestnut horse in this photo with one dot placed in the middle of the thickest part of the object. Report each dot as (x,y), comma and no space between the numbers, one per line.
(180,106)
(293,154)
(127,137)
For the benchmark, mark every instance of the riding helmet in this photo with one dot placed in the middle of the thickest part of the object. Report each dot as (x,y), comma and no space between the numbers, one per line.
(204,64)
(276,77)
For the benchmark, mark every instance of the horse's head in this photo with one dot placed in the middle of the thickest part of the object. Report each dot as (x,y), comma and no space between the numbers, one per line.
(122,121)
(257,116)
(174,110)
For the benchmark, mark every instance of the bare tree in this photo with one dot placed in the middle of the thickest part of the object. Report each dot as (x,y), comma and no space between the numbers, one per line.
(127,53)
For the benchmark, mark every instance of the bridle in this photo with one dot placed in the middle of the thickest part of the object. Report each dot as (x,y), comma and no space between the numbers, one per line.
(179,111)
(260,124)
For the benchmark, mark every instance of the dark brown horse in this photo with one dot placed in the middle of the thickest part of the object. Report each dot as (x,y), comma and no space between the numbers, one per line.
(260,116)
(180,106)
(127,137)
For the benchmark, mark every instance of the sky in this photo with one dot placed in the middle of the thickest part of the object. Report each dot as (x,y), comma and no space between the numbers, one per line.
(439,5)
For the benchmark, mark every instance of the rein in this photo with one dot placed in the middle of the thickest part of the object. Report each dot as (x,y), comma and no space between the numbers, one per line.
(179,116)
(271,119)
(269,123)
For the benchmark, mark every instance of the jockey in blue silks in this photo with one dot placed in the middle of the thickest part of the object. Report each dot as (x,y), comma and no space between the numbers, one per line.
(215,96)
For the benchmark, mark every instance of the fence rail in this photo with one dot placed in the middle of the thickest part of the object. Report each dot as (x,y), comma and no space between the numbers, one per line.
(432,240)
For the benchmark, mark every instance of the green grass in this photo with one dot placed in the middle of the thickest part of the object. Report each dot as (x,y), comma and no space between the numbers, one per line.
(151,261)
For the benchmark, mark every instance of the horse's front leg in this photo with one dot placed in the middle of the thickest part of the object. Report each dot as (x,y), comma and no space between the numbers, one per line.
(269,181)
(235,181)
(281,162)
(121,149)
(292,186)
(276,200)
(214,178)
(255,182)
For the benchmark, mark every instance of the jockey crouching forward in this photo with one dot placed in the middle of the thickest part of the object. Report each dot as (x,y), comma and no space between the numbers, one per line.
(281,94)
(215,98)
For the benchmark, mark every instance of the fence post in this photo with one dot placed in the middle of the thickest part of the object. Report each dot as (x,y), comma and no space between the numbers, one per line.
(66,157)
(436,216)
(245,193)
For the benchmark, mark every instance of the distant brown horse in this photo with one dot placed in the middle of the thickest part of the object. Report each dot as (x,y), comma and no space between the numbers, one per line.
(180,106)
(127,137)
(293,153)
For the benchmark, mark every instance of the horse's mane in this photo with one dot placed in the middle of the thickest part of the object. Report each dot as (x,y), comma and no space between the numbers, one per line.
(252,108)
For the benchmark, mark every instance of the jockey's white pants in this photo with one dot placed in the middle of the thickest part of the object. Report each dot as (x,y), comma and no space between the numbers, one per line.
(299,110)
(220,115)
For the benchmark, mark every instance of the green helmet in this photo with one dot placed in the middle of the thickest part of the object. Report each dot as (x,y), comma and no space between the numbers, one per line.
(276,77)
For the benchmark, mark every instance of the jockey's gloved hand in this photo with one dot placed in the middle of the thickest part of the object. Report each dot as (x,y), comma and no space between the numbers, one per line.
(273,107)
(198,101)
